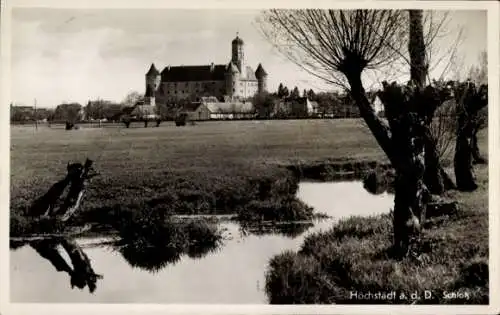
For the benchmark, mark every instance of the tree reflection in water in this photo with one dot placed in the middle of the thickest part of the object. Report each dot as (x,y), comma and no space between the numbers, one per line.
(152,251)
(80,270)
(149,257)
(378,182)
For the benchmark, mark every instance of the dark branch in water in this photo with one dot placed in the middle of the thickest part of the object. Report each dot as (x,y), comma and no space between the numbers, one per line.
(80,271)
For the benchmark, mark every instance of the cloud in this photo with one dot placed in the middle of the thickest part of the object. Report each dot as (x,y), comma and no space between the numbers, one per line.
(132,21)
(73,55)
(68,66)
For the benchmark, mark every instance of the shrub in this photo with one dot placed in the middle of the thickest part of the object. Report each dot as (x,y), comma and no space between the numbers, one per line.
(287,209)
(202,238)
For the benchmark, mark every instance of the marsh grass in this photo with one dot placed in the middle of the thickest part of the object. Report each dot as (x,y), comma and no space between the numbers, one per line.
(355,255)
(287,229)
(21,225)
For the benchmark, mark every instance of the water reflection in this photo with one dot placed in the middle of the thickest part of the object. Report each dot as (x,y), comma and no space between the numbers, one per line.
(15,244)
(149,257)
(377,182)
(154,256)
(80,270)
(174,264)
(154,246)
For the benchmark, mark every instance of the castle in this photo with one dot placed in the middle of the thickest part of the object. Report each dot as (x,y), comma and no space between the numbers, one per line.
(234,81)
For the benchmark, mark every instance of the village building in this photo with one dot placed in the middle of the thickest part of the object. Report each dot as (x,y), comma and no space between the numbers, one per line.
(195,111)
(296,107)
(211,108)
(231,110)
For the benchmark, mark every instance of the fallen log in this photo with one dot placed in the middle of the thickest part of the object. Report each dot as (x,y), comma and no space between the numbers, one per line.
(81,272)
(76,191)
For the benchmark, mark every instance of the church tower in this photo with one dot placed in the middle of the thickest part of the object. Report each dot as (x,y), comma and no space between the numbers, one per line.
(238,55)
(152,83)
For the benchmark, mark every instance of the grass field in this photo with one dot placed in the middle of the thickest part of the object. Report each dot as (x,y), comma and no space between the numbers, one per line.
(226,167)
(206,145)
(207,165)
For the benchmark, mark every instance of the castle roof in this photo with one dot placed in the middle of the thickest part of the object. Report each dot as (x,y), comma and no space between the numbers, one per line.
(191,107)
(230,107)
(260,72)
(193,73)
(237,40)
(153,70)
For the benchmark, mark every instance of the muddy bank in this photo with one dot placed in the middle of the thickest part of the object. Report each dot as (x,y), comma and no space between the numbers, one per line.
(377,177)
(337,170)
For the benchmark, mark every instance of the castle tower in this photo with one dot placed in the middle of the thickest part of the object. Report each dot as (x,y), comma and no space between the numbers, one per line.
(261,76)
(238,55)
(232,77)
(153,79)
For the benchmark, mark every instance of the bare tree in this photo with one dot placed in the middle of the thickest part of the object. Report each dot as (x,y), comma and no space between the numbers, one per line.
(470,100)
(338,46)
(445,124)
(443,129)
(132,98)
(479,75)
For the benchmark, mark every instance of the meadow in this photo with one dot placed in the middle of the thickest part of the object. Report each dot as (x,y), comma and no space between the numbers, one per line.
(212,167)
(241,167)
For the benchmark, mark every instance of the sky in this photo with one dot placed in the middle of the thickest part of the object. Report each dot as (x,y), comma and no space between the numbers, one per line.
(74,55)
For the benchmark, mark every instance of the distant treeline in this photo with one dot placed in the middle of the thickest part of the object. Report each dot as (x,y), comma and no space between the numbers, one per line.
(329,105)
(74,112)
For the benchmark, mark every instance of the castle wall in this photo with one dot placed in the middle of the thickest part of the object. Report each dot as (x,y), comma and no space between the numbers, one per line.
(193,89)
(247,88)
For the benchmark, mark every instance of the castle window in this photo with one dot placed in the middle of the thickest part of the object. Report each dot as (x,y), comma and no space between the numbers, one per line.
(234,90)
